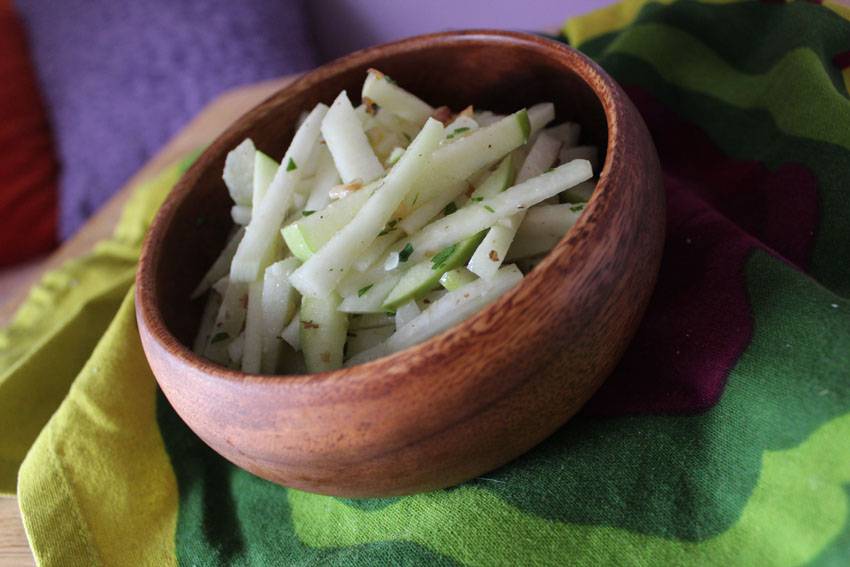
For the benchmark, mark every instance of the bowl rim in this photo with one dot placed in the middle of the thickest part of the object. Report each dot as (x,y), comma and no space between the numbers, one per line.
(588,71)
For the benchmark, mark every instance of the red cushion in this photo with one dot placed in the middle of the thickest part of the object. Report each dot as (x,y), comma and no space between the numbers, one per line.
(28,164)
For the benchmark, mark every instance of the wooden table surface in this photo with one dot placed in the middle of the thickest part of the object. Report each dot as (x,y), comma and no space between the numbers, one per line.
(14,284)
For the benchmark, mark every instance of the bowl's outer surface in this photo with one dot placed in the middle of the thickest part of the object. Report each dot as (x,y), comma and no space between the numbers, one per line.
(474,397)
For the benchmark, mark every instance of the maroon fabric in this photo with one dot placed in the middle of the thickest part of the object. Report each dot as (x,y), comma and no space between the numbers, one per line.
(718,209)
(28,165)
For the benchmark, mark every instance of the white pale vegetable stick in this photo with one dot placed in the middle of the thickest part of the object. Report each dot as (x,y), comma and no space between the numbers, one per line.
(382,90)
(568,133)
(320,274)
(377,249)
(581,193)
(359,321)
(343,190)
(235,350)
(228,321)
(394,123)
(542,229)
(477,216)
(366,119)
(364,339)
(370,321)
(491,253)
(221,266)
(241,215)
(429,210)
(454,307)
(305,184)
(298,201)
(406,313)
(456,162)
(485,118)
(370,298)
(450,309)
(308,234)
(539,116)
(292,332)
(326,177)
(279,305)
(267,218)
(239,172)
(495,182)
(310,168)
(432,297)
(500,179)
(252,352)
(207,322)
(590,153)
(383,141)
(323,332)
(354,280)
(493,250)
(347,142)
(265,169)
(395,155)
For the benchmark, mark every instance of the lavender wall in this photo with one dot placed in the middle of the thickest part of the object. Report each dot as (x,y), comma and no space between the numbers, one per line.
(342,26)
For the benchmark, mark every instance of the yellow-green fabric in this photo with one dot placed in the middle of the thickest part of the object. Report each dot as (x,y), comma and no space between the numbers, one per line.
(77,399)
(100,462)
(53,334)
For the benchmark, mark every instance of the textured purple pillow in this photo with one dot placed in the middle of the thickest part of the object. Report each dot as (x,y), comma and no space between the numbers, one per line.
(120,78)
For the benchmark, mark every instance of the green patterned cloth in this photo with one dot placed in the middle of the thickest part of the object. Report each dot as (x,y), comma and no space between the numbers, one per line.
(722,438)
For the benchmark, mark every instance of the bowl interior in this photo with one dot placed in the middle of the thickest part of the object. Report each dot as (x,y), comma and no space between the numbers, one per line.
(498,72)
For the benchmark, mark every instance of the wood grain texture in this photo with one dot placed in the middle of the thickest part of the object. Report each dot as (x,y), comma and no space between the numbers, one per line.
(14,549)
(14,284)
(474,397)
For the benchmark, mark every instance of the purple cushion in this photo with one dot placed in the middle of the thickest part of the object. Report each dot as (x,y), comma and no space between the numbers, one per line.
(120,78)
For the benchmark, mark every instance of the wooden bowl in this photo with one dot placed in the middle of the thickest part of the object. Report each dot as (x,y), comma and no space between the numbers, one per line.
(479,394)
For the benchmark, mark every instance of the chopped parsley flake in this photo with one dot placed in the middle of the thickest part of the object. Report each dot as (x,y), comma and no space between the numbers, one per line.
(477,199)
(362,291)
(290,165)
(450,208)
(577,208)
(405,252)
(307,212)
(218,337)
(489,208)
(457,131)
(439,260)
